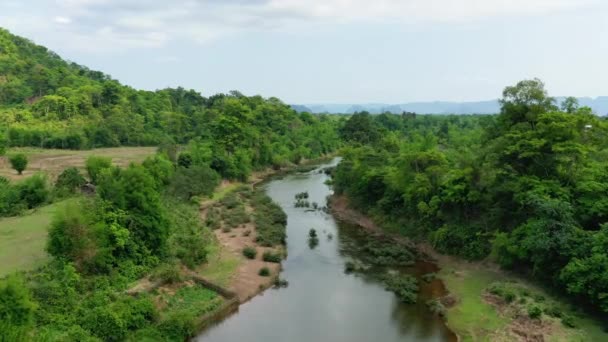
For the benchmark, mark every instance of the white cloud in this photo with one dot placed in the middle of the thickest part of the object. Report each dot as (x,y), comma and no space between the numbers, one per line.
(62,20)
(122,24)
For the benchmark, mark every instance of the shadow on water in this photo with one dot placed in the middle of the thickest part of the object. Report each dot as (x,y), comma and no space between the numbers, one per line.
(322,301)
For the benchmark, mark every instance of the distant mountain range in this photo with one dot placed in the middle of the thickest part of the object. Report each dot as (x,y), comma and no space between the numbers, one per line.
(598,104)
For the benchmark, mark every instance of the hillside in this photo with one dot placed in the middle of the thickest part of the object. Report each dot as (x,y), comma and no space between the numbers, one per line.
(48,102)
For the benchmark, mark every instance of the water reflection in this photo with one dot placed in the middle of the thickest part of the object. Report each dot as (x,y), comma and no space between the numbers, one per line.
(322,302)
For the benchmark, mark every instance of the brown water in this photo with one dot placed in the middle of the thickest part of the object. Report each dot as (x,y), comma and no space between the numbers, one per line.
(322,302)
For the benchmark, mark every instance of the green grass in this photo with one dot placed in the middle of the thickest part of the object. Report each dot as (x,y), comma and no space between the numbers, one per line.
(472,319)
(221,265)
(475,320)
(193,300)
(23,238)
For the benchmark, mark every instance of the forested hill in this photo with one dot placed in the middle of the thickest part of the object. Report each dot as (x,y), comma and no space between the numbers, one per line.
(50,103)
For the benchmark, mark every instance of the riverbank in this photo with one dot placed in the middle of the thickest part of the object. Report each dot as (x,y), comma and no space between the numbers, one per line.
(227,266)
(487,304)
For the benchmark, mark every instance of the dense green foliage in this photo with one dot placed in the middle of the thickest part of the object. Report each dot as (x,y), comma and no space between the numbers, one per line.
(142,219)
(29,193)
(529,185)
(48,102)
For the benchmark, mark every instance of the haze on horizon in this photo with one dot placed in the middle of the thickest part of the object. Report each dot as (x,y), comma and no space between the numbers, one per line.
(329,51)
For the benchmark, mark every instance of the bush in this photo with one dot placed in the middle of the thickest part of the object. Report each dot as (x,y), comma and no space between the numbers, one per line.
(349,267)
(95,165)
(568,321)
(18,162)
(178,326)
(104,323)
(534,312)
(250,252)
(184,160)
(553,311)
(312,233)
(269,256)
(404,286)
(188,241)
(71,235)
(168,273)
(193,181)
(10,203)
(436,307)
(264,272)
(33,191)
(70,180)
(160,168)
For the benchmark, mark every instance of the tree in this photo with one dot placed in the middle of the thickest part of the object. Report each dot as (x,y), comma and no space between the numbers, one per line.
(360,128)
(524,102)
(70,179)
(570,104)
(18,162)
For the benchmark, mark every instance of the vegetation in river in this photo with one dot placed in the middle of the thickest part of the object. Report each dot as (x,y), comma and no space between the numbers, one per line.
(270,220)
(270,256)
(404,286)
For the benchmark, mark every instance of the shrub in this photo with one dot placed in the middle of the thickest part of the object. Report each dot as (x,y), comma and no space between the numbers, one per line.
(270,220)
(18,162)
(404,286)
(160,168)
(193,181)
(95,165)
(16,306)
(33,191)
(187,241)
(10,203)
(349,267)
(312,233)
(436,307)
(250,252)
(70,180)
(264,272)
(168,273)
(178,326)
(184,160)
(280,283)
(534,311)
(236,216)
(269,256)
(553,311)
(71,236)
(568,321)
(428,277)
(104,323)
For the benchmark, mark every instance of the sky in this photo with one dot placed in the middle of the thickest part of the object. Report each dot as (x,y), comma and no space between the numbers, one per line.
(329,51)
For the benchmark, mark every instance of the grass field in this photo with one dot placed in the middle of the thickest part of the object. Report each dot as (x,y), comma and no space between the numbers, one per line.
(52,162)
(23,238)
(473,319)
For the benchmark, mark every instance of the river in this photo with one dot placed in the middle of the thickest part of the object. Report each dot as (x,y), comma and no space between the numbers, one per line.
(322,302)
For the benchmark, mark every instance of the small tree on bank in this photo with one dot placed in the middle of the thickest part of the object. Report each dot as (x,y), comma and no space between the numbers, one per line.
(18,162)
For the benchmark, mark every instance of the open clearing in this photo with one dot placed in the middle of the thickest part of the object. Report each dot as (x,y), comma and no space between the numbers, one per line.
(23,238)
(53,162)
(474,318)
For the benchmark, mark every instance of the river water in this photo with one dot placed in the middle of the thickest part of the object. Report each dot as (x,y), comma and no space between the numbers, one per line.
(322,302)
